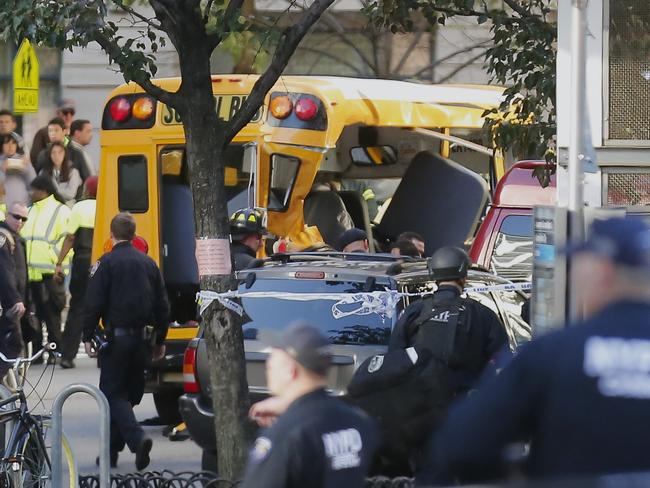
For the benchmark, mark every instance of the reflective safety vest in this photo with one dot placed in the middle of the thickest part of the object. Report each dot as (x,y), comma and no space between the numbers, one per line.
(44,233)
(81,223)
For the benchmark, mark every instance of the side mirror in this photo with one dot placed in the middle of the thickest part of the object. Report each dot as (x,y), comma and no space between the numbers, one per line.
(373,155)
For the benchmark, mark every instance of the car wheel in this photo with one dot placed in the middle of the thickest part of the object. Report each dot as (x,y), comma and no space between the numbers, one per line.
(167,406)
(209,461)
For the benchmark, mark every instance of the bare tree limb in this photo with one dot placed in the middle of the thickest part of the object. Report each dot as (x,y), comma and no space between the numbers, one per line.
(334,57)
(286,47)
(462,67)
(138,15)
(332,22)
(409,51)
(447,57)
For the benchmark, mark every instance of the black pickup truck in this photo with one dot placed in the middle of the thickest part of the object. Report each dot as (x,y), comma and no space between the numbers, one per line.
(358,328)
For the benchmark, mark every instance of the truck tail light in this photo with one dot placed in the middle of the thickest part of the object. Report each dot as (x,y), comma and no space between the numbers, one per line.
(190,380)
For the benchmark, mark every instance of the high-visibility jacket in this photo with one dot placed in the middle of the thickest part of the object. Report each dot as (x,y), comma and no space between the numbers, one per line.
(44,233)
(81,224)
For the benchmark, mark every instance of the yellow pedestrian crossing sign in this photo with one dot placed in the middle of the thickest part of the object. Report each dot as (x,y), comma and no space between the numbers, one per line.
(25,79)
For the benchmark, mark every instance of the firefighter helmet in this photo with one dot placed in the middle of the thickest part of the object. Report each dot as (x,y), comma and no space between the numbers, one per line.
(247,221)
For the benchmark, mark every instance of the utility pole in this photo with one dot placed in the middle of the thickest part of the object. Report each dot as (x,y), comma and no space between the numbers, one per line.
(576,144)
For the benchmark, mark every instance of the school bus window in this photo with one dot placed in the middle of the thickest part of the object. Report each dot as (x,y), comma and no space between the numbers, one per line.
(132,184)
(173,168)
(284,170)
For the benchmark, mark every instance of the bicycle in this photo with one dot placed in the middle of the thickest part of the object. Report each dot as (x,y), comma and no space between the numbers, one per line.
(25,461)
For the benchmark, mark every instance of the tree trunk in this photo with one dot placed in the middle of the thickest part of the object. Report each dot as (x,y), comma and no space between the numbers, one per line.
(223,328)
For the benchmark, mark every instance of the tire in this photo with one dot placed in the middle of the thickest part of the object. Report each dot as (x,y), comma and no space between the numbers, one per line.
(209,461)
(166,402)
(34,469)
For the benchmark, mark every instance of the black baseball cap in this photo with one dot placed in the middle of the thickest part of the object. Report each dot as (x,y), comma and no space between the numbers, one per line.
(306,344)
(624,240)
(350,236)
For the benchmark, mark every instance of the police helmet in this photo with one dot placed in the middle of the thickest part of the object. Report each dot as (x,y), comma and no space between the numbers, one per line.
(246,221)
(449,263)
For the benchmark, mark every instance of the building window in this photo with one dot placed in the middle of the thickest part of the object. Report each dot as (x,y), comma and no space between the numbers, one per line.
(629,70)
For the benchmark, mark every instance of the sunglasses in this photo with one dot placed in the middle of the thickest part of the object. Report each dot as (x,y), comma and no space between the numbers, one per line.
(19,217)
(67,111)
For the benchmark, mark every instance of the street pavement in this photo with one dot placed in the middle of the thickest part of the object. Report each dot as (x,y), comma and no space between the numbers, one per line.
(81,423)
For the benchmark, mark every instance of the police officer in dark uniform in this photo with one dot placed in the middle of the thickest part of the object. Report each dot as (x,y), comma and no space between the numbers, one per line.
(459,335)
(246,230)
(13,283)
(315,440)
(462,332)
(581,395)
(127,292)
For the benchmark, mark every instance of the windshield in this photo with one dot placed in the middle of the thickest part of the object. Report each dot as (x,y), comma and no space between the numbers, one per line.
(345,321)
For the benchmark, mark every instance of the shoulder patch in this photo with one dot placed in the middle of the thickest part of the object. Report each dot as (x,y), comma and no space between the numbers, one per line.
(94,268)
(261,449)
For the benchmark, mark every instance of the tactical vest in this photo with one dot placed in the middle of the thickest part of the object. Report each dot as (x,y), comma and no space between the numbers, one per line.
(438,327)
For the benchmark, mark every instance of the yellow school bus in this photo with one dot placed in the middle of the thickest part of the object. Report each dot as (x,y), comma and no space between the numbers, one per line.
(390,155)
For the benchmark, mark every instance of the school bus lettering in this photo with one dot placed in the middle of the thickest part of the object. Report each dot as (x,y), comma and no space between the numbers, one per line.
(226,106)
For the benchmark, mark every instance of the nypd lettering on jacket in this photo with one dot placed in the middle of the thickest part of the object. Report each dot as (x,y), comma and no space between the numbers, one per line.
(342,448)
(622,366)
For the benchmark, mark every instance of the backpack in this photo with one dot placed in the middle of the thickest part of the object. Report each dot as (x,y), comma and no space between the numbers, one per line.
(408,391)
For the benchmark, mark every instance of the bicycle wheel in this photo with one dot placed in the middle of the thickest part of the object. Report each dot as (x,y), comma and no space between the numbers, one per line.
(34,470)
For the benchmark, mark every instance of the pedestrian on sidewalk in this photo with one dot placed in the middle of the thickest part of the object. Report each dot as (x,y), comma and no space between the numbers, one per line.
(13,283)
(79,238)
(126,291)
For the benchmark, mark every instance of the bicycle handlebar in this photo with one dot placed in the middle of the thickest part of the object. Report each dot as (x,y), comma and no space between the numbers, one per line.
(18,361)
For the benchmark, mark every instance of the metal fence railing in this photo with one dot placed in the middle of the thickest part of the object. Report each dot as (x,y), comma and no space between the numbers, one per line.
(168,479)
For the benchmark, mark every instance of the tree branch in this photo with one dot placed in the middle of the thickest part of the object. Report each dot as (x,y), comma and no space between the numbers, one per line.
(449,56)
(409,50)
(332,22)
(287,46)
(333,57)
(462,67)
(517,8)
(141,77)
(138,15)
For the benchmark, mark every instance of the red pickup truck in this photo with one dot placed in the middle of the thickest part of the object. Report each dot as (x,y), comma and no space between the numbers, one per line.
(504,241)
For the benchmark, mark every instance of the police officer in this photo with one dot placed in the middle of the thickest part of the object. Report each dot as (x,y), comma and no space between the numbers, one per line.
(13,283)
(79,237)
(459,335)
(127,292)
(246,230)
(580,395)
(462,332)
(314,439)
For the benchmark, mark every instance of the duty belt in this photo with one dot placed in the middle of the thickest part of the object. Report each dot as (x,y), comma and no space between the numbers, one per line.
(130,331)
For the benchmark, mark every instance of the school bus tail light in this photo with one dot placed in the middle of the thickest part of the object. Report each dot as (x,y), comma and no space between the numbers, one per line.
(143,108)
(306,109)
(120,109)
(131,111)
(297,111)
(281,107)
